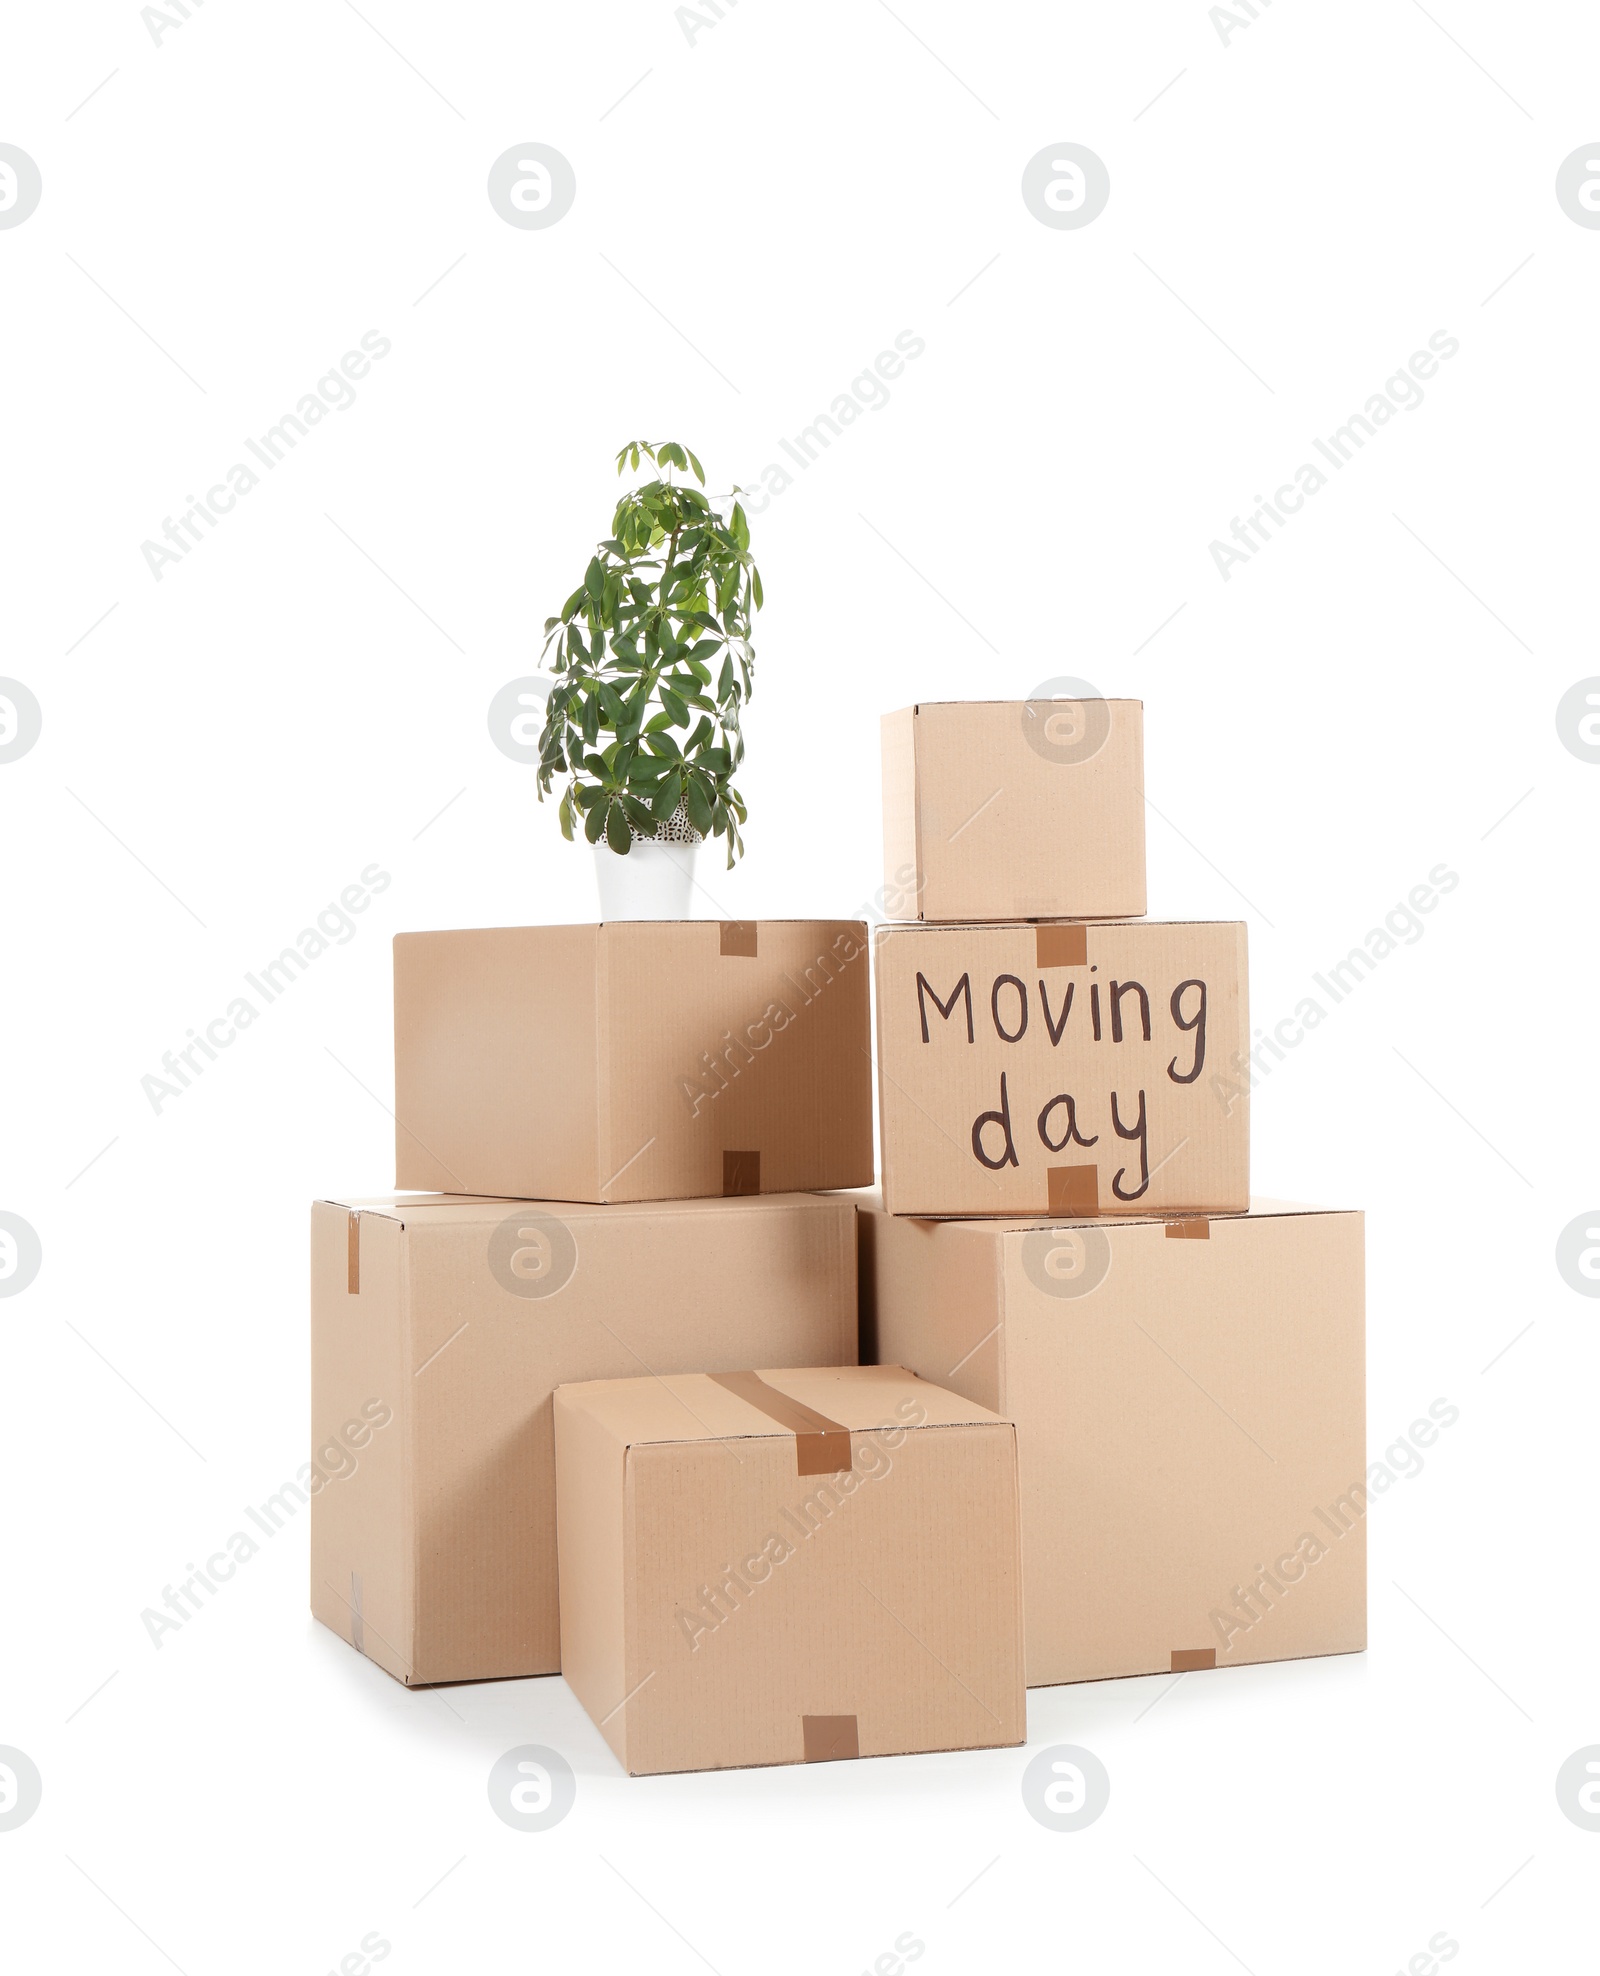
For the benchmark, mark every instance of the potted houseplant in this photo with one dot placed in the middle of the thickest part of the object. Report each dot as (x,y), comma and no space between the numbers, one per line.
(652,661)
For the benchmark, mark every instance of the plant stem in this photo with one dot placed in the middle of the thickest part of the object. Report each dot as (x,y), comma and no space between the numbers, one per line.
(666,568)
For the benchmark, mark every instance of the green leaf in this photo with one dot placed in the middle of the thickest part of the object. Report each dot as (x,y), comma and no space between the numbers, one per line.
(594,823)
(565,815)
(698,470)
(755,586)
(669,795)
(698,805)
(618,834)
(591,719)
(674,708)
(738,527)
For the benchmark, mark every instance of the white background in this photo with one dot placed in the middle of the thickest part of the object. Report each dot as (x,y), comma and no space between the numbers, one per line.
(1372,694)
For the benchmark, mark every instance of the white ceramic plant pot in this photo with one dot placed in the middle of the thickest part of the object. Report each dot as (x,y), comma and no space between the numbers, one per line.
(655,880)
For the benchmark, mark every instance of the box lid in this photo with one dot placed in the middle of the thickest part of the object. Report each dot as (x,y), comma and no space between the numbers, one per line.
(697,1406)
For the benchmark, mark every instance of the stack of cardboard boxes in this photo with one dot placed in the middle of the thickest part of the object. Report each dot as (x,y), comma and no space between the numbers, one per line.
(596,1369)
(1066,1234)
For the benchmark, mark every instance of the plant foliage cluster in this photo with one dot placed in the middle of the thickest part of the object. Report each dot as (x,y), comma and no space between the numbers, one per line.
(653,664)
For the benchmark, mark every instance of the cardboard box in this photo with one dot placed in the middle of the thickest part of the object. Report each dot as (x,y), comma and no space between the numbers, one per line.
(635,1061)
(1062,1068)
(440,1326)
(1014,809)
(1189,1401)
(784,1567)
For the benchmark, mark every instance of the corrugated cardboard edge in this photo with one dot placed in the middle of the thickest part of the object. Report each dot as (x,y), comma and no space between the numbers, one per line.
(407,1422)
(902,828)
(1143,822)
(605,1165)
(1243,937)
(594,1546)
(1019,1603)
(353,1359)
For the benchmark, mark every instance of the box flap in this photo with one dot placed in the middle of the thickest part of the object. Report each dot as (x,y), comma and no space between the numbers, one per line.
(694,1406)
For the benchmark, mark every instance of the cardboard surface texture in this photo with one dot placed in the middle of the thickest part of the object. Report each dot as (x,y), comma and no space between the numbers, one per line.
(1014,809)
(731,1595)
(1190,1412)
(1061,1068)
(633,1061)
(440,1326)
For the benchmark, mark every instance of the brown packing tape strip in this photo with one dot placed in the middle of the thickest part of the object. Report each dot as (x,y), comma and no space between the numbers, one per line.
(1073,1189)
(1186,1659)
(1192,1228)
(827,1738)
(739,938)
(1061,946)
(353,1254)
(741,1174)
(821,1445)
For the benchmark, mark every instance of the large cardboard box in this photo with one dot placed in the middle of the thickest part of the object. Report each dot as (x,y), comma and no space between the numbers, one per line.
(440,1326)
(633,1061)
(1189,1401)
(784,1567)
(1063,1069)
(1014,809)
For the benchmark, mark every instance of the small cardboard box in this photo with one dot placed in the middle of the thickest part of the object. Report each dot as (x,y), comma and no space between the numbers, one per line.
(1189,1401)
(1060,1068)
(1014,809)
(633,1061)
(440,1326)
(784,1567)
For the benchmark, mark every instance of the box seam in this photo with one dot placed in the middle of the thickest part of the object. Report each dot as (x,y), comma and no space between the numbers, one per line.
(408,1506)
(602,1062)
